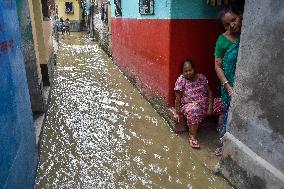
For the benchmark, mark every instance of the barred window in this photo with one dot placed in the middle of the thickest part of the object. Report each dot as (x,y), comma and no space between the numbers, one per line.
(69,8)
(146,7)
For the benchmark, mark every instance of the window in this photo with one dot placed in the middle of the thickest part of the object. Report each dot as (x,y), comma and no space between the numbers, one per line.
(118,11)
(146,7)
(69,9)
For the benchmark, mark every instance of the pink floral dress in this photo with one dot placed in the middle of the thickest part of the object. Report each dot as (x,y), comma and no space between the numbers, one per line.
(194,99)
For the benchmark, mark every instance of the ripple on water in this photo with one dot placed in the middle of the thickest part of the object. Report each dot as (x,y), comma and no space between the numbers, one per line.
(101,133)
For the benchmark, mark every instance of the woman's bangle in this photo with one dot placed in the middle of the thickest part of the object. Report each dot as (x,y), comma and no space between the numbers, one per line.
(225,83)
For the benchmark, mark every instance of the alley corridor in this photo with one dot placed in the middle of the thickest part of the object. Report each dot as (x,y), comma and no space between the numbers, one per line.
(101,133)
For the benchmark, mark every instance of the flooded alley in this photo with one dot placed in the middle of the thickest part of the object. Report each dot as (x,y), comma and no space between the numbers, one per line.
(101,133)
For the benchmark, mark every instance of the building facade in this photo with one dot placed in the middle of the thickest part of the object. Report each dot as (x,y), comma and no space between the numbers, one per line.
(37,44)
(71,9)
(253,148)
(100,24)
(18,158)
(27,57)
(150,40)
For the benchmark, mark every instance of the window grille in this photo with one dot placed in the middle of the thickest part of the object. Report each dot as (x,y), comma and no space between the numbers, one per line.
(69,8)
(146,7)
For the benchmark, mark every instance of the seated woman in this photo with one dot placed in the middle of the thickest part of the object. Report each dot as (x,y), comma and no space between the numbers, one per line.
(193,99)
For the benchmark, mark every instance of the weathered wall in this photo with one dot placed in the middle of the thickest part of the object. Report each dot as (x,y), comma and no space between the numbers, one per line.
(48,38)
(30,57)
(75,19)
(17,137)
(38,18)
(150,48)
(253,149)
(102,29)
(141,46)
(44,38)
(194,31)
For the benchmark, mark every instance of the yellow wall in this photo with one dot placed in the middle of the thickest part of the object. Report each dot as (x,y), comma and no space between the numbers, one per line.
(42,33)
(35,39)
(61,10)
(37,13)
(48,40)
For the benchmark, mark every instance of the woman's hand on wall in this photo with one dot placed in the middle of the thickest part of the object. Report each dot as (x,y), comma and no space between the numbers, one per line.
(229,89)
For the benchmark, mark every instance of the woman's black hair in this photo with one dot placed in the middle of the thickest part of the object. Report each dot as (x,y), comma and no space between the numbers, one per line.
(235,6)
(187,61)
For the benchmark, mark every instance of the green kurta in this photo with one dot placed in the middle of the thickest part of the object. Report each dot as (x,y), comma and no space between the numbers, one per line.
(228,52)
(222,46)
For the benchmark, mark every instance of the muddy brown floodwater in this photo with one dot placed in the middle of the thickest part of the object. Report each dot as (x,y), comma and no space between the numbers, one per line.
(101,133)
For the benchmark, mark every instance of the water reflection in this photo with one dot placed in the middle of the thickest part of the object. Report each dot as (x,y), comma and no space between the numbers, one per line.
(101,133)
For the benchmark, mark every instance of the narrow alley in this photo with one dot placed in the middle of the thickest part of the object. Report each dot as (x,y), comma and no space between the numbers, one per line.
(101,133)
(99,94)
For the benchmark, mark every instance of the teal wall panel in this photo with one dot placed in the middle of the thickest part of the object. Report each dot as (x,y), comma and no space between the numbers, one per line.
(130,9)
(192,9)
(169,9)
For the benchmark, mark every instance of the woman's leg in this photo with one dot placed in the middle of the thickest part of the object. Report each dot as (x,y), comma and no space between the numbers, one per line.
(193,142)
(222,124)
(218,150)
(193,131)
(220,121)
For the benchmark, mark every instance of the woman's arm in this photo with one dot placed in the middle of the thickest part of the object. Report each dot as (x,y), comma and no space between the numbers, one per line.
(210,103)
(221,75)
(178,103)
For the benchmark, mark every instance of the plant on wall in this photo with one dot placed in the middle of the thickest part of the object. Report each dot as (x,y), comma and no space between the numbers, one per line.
(146,7)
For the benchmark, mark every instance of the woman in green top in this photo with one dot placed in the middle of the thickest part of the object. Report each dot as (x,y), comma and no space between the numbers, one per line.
(226,53)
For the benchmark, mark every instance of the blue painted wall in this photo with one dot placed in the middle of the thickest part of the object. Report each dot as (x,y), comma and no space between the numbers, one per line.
(17,137)
(169,9)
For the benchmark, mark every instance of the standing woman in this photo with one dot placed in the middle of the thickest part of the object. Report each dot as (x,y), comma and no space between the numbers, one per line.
(226,53)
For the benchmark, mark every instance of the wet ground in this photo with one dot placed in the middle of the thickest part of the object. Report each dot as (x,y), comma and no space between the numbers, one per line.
(101,133)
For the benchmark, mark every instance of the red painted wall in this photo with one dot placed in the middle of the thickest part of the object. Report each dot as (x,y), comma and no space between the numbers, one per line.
(153,50)
(195,40)
(141,47)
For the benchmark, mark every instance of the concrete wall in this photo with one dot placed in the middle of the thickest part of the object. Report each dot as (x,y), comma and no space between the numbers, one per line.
(38,18)
(141,46)
(193,9)
(48,38)
(194,31)
(43,34)
(17,137)
(61,10)
(30,53)
(130,9)
(102,29)
(75,19)
(253,148)
(150,48)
